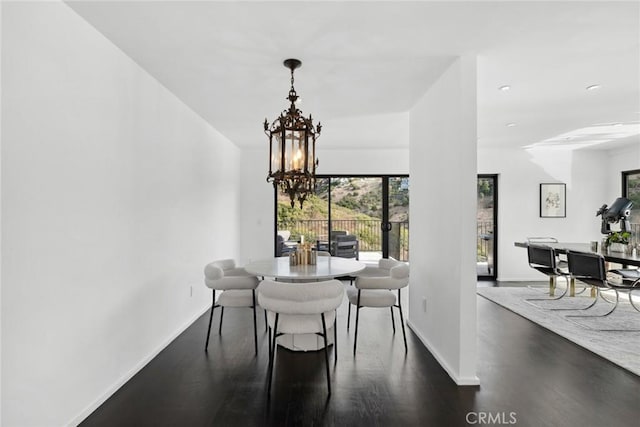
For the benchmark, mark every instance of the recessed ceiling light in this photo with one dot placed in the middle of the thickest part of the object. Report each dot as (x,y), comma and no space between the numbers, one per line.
(504,88)
(510,125)
(593,87)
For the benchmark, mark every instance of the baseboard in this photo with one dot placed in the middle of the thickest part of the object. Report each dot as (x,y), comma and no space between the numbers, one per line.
(126,377)
(461,381)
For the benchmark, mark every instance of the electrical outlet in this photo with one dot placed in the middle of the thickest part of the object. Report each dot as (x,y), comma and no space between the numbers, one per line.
(424,304)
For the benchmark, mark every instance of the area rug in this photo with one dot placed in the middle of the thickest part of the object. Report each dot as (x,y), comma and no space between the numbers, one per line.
(621,348)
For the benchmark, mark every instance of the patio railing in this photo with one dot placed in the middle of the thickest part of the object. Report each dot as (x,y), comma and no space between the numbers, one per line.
(368,232)
(370,235)
(635,234)
(484,240)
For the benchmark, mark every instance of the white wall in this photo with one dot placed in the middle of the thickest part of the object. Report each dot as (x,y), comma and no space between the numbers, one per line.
(1,6)
(622,159)
(257,214)
(365,162)
(256,201)
(520,173)
(443,211)
(369,132)
(114,196)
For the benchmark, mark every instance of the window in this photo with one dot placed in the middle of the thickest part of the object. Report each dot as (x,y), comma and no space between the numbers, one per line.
(487,227)
(373,208)
(631,190)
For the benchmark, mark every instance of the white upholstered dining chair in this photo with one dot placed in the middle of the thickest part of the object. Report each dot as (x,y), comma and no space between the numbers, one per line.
(300,308)
(237,290)
(374,287)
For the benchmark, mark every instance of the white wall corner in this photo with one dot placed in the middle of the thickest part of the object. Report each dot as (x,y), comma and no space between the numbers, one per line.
(453,373)
(129,195)
(1,213)
(135,369)
(443,169)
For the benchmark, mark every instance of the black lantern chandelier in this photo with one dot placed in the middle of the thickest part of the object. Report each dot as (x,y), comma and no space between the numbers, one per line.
(292,148)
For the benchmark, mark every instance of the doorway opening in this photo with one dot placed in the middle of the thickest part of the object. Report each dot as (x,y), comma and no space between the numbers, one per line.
(487,227)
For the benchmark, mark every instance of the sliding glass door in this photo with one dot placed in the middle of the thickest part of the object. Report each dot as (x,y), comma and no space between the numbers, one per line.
(365,217)
(357,210)
(398,218)
(631,190)
(487,227)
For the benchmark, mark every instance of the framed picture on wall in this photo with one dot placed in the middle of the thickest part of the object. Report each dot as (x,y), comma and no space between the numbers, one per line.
(553,198)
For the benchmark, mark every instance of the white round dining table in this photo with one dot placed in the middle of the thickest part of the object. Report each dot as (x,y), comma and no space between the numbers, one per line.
(326,267)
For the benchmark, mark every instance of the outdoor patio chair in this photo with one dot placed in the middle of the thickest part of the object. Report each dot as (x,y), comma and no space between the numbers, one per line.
(346,246)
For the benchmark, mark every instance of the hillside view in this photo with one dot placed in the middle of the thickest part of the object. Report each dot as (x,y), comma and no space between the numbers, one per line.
(633,194)
(356,207)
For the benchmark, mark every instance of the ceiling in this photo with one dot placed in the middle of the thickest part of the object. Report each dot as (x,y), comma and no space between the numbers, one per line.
(365,64)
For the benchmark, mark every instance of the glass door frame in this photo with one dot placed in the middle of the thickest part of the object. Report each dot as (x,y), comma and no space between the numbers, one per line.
(385,206)
(633,220)
(494,178)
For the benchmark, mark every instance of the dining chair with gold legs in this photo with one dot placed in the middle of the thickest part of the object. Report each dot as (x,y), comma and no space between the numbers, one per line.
(543,259)
(590,268)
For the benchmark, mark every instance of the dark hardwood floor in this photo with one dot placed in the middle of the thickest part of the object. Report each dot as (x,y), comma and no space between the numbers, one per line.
(528,376)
